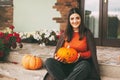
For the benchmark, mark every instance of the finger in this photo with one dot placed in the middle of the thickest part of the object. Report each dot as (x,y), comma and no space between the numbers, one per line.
(78,55)
(55,56)
(59,59)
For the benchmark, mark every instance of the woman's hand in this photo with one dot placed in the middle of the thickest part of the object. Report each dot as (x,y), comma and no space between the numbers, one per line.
(77,57)
(58,58)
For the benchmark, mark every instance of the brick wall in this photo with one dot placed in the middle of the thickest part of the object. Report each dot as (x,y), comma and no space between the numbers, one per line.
(63,6)
(6,13)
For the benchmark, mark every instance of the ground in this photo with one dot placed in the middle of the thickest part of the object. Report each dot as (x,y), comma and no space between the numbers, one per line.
(108,57)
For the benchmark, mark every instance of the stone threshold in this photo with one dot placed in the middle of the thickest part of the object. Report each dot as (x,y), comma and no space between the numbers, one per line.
(4,77)
(108,57)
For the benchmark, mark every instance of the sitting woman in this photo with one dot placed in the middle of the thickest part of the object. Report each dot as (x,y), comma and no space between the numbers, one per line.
(80,38)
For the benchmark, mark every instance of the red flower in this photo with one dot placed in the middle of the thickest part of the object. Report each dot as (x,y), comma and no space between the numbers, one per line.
(11,27)
(7,37)
(10,35)
(58,35)
(18,40)
(8,41)
(16,34)
(1,34)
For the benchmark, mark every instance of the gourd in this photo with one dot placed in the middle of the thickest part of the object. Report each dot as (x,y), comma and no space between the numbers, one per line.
(68,55)
(31,62)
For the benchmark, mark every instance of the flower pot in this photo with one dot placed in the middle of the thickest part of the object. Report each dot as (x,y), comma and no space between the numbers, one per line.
(3,55)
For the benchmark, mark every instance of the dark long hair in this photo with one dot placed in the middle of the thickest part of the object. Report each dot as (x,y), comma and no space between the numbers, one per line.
(69,30)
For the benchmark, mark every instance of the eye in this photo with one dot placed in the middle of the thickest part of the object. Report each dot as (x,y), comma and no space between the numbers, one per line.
(77,18)
(71,18)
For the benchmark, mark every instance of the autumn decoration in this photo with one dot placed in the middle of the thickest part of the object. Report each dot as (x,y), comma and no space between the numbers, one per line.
(31,62)
(68,55)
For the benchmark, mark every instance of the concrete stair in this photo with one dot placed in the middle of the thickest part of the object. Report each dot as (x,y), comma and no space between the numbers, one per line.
(17,72)
(14,70)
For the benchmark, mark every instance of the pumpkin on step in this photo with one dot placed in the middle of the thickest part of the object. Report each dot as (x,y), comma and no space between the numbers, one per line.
(68,55)
(31,62)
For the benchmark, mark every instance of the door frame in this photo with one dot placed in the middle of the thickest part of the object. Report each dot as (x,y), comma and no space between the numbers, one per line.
(103,9)
(105,41)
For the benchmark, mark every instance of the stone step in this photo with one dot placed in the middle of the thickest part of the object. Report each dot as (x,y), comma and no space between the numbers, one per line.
(4,77)
(109,78)
(33,49)
(108,71)
(17,72)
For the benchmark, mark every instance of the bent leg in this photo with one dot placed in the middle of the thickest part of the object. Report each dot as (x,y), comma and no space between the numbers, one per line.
(54,69)
(80,71)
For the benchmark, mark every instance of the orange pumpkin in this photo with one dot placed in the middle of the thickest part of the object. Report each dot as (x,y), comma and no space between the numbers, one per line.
(69,55)
(31,62)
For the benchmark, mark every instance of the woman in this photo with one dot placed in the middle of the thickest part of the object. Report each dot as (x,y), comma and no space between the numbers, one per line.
(76,36)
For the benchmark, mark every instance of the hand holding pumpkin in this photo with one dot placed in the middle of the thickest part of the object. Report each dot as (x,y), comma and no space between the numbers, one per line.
(58,58)
(67,55)
(77,57)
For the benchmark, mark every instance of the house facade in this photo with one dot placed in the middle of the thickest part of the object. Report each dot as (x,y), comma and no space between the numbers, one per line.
(102,17)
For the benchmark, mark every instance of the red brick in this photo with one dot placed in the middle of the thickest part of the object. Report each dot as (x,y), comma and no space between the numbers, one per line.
(63,6)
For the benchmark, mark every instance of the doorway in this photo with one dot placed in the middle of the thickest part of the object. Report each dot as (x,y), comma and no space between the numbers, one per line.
(102,17)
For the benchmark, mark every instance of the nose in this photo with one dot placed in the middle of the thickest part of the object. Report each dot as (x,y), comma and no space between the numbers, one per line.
(74,20)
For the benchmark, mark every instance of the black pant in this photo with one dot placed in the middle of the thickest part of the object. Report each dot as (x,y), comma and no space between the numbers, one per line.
(60,71)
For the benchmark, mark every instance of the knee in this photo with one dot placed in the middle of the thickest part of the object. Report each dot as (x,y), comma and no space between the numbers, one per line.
(49,61)
(84,64)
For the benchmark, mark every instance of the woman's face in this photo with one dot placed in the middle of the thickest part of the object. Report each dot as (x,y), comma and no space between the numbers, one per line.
(75,21)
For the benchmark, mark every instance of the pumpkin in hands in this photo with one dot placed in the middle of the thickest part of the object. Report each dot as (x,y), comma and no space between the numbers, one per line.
(68,55)
(31,62)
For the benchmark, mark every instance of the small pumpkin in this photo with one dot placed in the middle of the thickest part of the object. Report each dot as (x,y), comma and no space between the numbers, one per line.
(31,62)
(69,55)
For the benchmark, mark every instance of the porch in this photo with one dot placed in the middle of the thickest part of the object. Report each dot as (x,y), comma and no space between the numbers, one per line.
(108,57)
